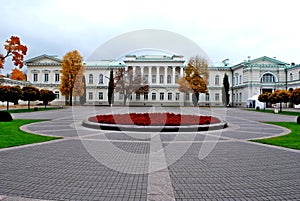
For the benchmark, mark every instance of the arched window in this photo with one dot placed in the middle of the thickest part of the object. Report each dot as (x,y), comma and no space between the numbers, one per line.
(217,80)
(268,77)
(291,76)
(91,78)
(101,79)
(169,79)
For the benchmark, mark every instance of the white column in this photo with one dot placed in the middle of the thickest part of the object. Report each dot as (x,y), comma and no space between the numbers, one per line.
(181,72)
(157,75)
(150,75)
(133,70)
(166,74)
(142,71)
(173,74)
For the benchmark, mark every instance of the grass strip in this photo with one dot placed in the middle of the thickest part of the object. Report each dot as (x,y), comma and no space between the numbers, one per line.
(291,140)
(11,135)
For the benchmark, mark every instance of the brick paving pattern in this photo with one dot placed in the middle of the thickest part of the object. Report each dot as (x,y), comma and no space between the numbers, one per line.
(66,169)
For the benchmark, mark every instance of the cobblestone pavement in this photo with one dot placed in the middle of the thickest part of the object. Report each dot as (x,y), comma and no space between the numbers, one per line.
(212,165)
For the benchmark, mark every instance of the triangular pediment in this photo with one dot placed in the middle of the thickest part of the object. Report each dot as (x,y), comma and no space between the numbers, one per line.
(43,60)
(266,61)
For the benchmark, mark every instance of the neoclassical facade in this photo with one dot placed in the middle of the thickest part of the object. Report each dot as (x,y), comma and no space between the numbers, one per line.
(248,78)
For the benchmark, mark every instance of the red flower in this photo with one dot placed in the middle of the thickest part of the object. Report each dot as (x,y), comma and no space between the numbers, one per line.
(154,119)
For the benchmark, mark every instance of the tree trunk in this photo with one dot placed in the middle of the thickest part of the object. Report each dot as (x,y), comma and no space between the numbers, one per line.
(7,106)
(195,98)
(71,97)
(280,106)
(28,105)
(125,99)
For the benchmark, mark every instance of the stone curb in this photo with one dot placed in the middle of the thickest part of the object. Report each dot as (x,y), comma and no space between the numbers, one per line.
(119,127)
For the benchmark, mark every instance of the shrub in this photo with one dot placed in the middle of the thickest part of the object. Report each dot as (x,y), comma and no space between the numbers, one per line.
(5,116)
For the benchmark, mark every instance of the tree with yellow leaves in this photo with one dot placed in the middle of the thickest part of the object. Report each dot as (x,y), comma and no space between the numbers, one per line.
(196,78)
(72,72)
(17,74)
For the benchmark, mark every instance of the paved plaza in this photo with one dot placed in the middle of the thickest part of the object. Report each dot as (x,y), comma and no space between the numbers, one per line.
(91,164)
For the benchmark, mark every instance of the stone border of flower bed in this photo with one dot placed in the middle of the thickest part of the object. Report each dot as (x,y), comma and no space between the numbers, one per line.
(185,128)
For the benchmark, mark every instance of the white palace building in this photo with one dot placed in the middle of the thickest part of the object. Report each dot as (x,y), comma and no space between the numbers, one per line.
(248,78)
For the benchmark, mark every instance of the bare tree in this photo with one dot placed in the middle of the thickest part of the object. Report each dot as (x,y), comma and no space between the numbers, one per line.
(127,83)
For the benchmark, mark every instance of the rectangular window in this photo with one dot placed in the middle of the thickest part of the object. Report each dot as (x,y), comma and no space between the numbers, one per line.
(169,79)
(187,96)
(56,94)
(217,97)
(100,95)
(153,96)
(56,77)
(161,79)
(233,81)
(46,77)
(121,96)
(177,96)
(169,96)
(137,96)
(161,96)
(35,77)
(153,78)
(240,97)
(240,79)
(236,80)
(146,78)
(145,96)
(90,95)
(206,97)
(217,80)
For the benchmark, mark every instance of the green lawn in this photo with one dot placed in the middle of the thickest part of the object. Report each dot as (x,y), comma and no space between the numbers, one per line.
(290,113)
(11,135)
(31,109)
(291,140)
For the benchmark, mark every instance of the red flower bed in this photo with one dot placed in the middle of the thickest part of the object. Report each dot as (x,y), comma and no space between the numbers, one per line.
(154,119)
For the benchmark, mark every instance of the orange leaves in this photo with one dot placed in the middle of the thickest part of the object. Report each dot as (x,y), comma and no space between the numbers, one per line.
(15,49)
(295,96)
(72,73)
(196,76)
(16,74)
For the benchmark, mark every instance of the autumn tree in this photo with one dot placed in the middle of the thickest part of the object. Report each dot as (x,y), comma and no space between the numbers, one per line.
(46,96)
(10,94)
(30,94)
(79,84)
(72,72)
(196,78)
(111,87)
(15,49)
(295,96)
(265,97)
(127,83)
(280,96)
(17,74)
(226,88)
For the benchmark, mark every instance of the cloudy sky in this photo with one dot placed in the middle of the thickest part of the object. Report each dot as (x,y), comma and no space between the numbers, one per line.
(223,29)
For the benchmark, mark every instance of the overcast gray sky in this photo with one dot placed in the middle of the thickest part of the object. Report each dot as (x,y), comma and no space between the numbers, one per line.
(223,29)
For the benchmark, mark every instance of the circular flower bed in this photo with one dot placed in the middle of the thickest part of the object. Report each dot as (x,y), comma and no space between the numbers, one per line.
(154,119)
